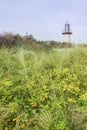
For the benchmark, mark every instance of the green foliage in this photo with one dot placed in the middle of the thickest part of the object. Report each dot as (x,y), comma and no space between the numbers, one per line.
(43,90)
(9,40)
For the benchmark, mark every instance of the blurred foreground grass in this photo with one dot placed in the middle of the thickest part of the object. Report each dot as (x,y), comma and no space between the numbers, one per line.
(43,90)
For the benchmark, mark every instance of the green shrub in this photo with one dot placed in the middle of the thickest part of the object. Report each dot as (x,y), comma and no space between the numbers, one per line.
(40,90)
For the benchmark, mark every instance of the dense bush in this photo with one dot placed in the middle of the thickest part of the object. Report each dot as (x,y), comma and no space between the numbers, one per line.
(28,41)
(43,90)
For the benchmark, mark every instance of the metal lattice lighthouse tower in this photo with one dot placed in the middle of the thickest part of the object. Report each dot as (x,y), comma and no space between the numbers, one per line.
(67,33)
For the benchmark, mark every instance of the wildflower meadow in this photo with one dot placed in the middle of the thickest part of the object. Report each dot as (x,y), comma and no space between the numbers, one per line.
(43,90)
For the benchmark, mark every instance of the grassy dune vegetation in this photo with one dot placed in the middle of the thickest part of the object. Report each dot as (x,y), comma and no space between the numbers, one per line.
(43,90)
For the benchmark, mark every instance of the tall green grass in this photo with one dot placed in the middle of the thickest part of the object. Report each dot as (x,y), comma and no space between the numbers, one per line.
(43,90)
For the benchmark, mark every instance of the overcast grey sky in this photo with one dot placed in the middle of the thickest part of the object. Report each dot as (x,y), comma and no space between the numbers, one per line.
(44,19)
